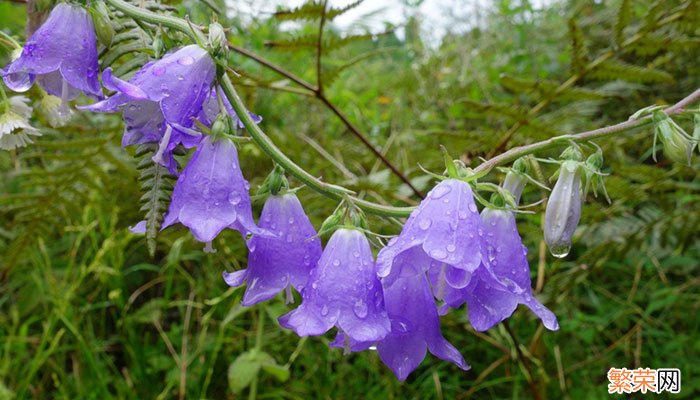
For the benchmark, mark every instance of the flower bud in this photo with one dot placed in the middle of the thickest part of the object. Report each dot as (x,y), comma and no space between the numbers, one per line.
(103,26)
(515,183)
(217,38)
(563,209)
(678,146)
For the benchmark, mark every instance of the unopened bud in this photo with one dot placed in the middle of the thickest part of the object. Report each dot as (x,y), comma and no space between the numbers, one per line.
(563,209)
(217,38)
(572,152)
(678,145)
(515,183)
(103,26)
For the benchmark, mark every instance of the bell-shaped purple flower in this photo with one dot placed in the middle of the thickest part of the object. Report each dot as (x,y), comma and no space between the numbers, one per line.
(211,193)
(563,209)
(415,328)
(503,280)
(61,55)
(443,232)
(210,110)
(343,291)
(162,97)
(276,263)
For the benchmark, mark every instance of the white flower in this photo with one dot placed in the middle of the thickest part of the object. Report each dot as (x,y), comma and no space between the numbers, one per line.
(15,130)
(56,114)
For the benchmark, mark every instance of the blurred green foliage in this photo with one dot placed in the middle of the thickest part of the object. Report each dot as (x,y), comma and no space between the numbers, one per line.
(85,312)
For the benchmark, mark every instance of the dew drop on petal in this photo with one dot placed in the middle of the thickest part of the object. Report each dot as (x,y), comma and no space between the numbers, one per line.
(440,191)
(324,310)
(186,60)
(451,248)
(158,71)
(360,309)
(462,214)
(425,223)
(437,253)
(234,198)
(472,208)
(336,262)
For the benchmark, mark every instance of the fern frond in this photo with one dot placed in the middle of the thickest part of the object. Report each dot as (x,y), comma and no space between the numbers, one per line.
(156,186)
(616,69)
(624,15)
(579,52)
(544,87)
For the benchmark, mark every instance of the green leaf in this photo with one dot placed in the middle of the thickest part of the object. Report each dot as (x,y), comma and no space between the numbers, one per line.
(243,370)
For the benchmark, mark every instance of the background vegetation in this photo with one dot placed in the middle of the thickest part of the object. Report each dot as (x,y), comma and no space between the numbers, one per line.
(86,312)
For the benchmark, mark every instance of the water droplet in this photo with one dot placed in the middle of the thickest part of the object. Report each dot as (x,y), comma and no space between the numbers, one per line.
(360,309)
(336,262)
(462,214)
(451,248)
(560,250)
(356,254)
(180,77)
(291,220)
(314,285)
(439,191)
(425,223)
(158,70)
(324,310)
(472,208)
(186,60)
(437,253)
(289,238)
(234,198)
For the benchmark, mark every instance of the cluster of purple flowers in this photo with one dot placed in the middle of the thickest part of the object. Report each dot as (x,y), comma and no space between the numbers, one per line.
(447,255)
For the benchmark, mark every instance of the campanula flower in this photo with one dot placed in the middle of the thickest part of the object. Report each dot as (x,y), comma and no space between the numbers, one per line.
(443,232)
(563,209)
(211,193)
(161,97)
(15,130)
(343,291)
(502,281)
(415,328)
(61,55)
(276,263)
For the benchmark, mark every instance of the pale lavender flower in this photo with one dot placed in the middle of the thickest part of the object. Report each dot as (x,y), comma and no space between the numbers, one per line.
(444,232)
(284,261)
(502,281)
(211,193)
(563,209)
(61,55)
(415,328)
(162,97)
(343,291)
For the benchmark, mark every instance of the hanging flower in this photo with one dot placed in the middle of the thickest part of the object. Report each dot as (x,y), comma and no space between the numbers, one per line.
(163,96)
(343,291)
(415,328)
(61,55)
(15,130)
(211,193)
(210,110)
(502,281)
(563,209)
(276,263)
(444,232)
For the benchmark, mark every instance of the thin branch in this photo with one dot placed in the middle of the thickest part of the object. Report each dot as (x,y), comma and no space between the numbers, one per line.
(320,95)
(319,48)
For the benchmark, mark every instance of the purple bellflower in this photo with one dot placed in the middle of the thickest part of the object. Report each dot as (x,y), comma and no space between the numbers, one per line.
(503,280)
(162,97)
(61,55)
(211,193)
(283,261)
(415,328)
(210,110)
(444,232)
(343,291)
(563,209)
